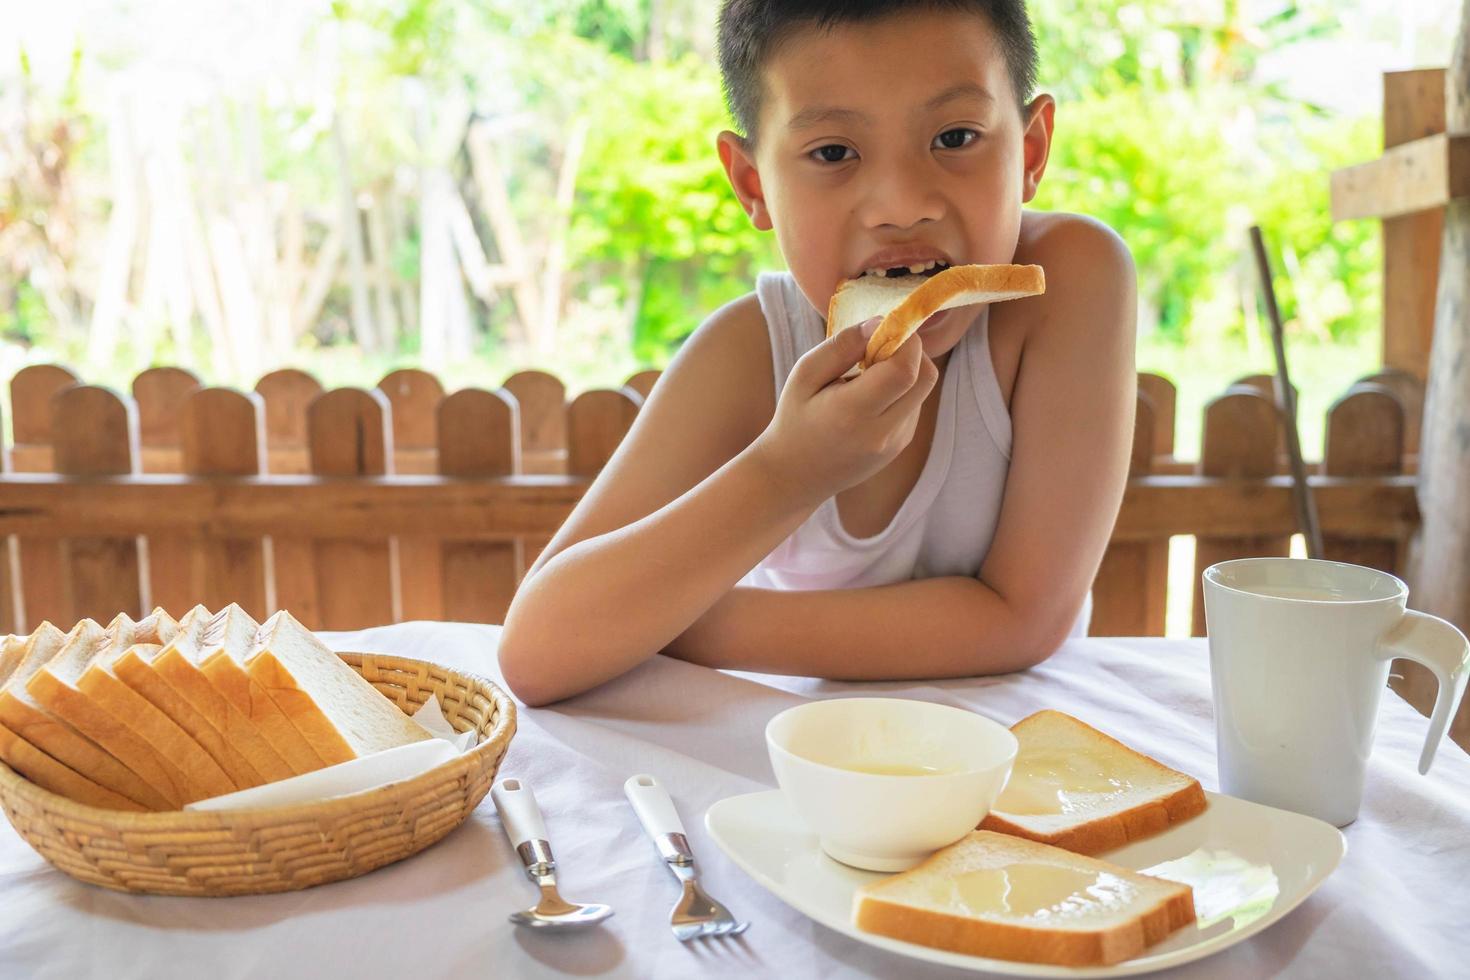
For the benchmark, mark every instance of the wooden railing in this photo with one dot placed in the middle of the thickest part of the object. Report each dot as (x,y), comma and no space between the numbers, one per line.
(354,507)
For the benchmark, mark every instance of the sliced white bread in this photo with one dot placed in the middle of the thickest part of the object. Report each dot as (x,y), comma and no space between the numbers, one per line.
(905,302)
(12,649)
(135,668)
(27,720)
(1006,898)
(39,767)
(1076,788)
(78,687)
(221,657)
(343,716)
(170,677)
(49,774)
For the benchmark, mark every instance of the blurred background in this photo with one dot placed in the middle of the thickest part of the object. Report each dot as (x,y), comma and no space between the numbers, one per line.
(479,187)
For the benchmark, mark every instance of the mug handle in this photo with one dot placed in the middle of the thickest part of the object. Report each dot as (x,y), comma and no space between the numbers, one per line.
(1438,645)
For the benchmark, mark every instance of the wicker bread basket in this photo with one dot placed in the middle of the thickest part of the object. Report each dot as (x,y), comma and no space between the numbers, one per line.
(276,849)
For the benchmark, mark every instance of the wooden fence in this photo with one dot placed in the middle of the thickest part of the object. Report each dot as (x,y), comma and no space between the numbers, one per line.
(356,507)
(353,507)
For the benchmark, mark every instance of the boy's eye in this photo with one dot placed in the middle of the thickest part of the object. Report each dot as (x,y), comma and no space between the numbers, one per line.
(831,153)
(954,139)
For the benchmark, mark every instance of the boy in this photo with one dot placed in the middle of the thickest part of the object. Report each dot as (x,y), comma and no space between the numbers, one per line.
(943,513)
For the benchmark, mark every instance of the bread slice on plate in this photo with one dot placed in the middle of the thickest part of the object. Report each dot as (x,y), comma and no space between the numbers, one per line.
(29,721)
(341,714)
(1006,898)
(221,655)
(905,302)
(79,687)
(1078,789)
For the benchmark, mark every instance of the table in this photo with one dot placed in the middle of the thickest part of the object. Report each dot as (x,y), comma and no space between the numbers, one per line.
(1396,907)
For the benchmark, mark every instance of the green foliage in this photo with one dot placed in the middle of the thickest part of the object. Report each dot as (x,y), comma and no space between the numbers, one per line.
(654,210)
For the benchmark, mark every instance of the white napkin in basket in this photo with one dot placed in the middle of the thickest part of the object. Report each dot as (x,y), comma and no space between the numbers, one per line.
(358,775)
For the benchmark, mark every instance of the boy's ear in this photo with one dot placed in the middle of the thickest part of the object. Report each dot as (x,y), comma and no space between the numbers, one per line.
(738,159)
(1036,143)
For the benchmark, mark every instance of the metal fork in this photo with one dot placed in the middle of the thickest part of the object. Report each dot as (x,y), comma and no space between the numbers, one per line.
(696,915)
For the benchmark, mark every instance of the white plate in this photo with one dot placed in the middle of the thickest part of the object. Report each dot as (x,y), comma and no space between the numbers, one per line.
(1249,866)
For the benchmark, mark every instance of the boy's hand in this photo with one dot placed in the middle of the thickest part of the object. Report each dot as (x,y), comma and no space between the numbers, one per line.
(829,434)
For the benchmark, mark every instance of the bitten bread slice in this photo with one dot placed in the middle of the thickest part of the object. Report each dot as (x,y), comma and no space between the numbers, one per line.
(30,722)
(342,715)
(905,302)
(1006,898)
(79,687)
(221,656)
(1076,788)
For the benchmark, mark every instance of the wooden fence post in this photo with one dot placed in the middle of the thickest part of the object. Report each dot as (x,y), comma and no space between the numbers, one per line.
(1241,432)
(643,382)
(1130,592)
(224,435)
(1162,398)
(95,433)
(479,437)
(350,434)
(288,393)
(542,399)
(31,391)
(415,396)
(40,585)
(11,613)
(160,393)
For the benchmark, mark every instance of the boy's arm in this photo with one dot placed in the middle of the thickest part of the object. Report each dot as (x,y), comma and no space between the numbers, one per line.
(1072,418)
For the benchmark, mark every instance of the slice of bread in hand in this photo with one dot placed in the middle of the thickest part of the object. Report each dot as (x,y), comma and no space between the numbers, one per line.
(905,302)
(26,719)
(1074,787)
(341,714)
(221,655)
(1006,898)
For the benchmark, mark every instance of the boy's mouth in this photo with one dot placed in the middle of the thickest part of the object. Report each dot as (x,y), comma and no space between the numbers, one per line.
(925,269)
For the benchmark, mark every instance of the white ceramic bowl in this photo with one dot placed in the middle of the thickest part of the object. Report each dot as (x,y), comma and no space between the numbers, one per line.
(874,819)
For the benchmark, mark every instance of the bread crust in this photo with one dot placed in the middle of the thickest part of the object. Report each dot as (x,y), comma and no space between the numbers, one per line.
(927,298)
(1019,942)
(1112,830)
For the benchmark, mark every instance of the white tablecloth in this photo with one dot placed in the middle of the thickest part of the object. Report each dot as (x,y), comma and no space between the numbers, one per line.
(1399,905)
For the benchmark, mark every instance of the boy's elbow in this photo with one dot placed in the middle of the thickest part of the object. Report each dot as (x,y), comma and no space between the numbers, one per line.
(1040,634)
(520,670)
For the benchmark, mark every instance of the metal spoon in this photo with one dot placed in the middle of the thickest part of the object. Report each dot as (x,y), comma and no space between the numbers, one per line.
(521,818)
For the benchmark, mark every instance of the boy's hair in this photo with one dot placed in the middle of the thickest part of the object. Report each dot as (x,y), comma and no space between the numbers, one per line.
(751,30)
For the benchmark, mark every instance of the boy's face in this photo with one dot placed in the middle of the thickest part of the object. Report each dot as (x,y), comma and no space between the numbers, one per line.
(891,142)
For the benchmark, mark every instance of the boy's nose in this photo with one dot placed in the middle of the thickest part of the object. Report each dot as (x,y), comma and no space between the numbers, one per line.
(901,197)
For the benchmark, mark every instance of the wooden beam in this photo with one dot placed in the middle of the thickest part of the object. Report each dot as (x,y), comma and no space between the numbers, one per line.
(322,507)
(1159,506)
(1427,173)
(503,508)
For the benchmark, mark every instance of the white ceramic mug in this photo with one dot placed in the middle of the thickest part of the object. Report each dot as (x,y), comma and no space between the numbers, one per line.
(1299,658)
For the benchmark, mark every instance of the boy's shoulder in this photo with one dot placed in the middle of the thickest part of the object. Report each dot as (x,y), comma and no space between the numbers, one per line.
(1071,245)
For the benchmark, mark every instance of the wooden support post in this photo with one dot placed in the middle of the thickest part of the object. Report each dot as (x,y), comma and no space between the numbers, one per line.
(542,399)
(415,396)
(160,393)
(1441,579)
(287,393)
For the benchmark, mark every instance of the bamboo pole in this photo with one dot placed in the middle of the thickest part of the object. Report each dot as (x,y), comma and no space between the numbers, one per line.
(1442,572)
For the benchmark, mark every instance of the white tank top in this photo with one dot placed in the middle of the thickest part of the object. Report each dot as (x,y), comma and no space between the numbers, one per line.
(946,524)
